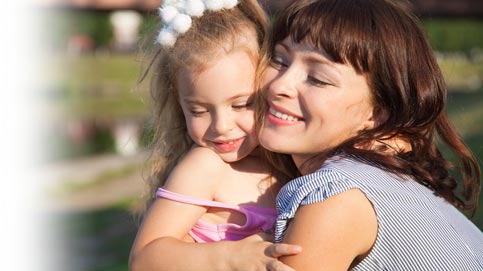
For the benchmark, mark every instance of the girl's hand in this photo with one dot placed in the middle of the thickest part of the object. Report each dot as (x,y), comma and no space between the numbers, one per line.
(254,253)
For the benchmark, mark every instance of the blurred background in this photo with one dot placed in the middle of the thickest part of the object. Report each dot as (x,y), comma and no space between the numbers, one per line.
(96,118)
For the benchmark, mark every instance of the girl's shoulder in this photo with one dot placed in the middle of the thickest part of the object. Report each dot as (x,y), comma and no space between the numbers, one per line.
(197,174)
(203,156)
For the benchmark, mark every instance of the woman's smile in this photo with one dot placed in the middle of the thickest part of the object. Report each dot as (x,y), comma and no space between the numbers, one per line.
(306,115)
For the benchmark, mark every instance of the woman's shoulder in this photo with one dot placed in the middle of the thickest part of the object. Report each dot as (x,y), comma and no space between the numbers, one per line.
(335,176)
(310,188)
(338,175)
(336,170)
(314,191)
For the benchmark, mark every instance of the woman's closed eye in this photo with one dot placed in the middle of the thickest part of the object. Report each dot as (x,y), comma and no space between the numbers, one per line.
(316,82)
(277,62)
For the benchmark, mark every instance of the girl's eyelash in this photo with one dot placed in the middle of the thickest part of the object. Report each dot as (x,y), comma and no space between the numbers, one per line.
(197,113)
(241,106)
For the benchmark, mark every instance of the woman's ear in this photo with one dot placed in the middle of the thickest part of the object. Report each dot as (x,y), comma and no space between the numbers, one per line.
(377,117)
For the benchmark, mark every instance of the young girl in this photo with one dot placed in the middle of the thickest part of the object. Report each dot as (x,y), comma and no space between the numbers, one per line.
(355,95)
(209,181)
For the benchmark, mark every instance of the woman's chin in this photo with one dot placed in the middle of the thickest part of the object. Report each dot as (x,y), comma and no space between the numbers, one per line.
(272,144)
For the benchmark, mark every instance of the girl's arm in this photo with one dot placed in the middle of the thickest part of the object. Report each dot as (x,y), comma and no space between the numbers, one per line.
(335,234)
(159,243)
(251,253)
(171,253)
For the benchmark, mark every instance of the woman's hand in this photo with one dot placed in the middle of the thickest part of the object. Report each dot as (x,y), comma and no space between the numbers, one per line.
(254,253)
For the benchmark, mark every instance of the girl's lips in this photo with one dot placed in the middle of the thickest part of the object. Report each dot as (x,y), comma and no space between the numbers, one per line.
(224,146)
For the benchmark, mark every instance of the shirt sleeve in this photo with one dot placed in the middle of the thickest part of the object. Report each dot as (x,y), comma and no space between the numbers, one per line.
(327,189)
(308,189)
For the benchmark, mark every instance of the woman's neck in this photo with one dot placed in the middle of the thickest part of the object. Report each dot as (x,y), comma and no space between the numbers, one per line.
(308,163)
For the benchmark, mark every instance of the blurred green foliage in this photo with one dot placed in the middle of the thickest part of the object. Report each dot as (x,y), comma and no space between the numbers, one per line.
(96,89)
(100,86)
(455,34)
(462,72)
(101,239)
(61,146)
(148,31)
(64,23)
(465,110)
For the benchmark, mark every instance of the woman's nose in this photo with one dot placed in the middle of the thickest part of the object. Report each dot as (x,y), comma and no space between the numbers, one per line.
(283,83)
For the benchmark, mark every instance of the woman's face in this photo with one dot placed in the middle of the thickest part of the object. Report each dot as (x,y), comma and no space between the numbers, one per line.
(314,103)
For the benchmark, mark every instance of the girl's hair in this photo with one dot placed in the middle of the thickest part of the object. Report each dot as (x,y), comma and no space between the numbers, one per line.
(385,42)
(209,35)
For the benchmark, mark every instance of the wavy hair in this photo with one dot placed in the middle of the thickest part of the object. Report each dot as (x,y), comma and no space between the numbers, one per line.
(386,43)
(210,34)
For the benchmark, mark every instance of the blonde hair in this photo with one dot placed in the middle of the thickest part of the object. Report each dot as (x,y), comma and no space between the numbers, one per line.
(210,34)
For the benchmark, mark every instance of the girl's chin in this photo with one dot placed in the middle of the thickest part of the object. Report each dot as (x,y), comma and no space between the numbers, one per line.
(230,157)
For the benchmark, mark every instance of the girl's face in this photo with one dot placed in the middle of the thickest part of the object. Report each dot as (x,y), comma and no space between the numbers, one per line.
(314,103)
(217,105)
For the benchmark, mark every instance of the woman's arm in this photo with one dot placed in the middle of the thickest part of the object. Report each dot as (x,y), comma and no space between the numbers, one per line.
(335,234)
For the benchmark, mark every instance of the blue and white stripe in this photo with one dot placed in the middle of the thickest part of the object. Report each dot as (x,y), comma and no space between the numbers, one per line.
(417,229)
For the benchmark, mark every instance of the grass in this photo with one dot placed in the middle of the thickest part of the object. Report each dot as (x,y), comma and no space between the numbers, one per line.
(94,86)
(73,185)
(461,73)
(98,240)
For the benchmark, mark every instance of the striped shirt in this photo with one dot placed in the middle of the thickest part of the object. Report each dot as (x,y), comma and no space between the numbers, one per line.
(417,230)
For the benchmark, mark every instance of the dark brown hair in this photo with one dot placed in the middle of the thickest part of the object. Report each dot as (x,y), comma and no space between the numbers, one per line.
(385,42)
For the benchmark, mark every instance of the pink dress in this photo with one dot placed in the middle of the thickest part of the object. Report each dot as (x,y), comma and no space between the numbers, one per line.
(257,219)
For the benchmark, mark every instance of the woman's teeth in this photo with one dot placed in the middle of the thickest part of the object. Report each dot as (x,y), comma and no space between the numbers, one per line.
(282,115)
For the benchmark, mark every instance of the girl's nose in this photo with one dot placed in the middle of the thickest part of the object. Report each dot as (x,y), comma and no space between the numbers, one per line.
(222,123)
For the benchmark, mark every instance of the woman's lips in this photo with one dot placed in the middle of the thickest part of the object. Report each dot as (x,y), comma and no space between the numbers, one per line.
(277,117)
(281,115)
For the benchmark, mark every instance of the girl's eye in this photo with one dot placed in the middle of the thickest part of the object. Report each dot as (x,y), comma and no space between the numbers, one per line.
(197,113)
(316,82)
(242,106)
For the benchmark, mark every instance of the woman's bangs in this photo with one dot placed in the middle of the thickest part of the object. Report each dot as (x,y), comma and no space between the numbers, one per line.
(321,25)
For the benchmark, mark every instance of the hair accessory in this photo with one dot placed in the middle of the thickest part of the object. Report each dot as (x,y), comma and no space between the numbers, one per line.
(176,16)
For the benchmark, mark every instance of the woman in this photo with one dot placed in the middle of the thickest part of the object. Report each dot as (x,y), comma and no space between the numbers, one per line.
(355,95)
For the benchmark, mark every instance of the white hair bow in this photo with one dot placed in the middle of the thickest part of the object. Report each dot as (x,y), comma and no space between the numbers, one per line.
(176,16)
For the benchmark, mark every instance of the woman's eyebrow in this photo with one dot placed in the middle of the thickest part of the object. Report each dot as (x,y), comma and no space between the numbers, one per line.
(312,58)
(315,59)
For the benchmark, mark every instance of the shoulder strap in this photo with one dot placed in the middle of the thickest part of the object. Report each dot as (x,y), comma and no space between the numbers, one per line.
(163,193)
